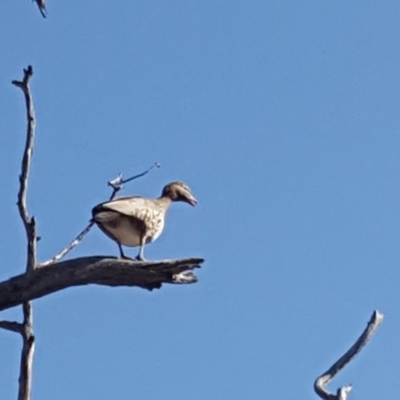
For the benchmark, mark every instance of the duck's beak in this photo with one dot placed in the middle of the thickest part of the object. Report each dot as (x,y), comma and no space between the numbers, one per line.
(192,201)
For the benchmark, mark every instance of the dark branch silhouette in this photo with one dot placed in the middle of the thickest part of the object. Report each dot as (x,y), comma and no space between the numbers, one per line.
(95,270)
(323,380)
(42,7)
(11,326)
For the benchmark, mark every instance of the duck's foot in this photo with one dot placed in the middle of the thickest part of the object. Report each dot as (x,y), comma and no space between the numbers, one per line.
(140,258)
(124,257)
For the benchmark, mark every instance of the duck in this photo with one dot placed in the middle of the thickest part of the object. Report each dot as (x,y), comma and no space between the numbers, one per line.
(136,221)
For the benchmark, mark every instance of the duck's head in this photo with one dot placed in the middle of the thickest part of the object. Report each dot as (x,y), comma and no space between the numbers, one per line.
(178,191)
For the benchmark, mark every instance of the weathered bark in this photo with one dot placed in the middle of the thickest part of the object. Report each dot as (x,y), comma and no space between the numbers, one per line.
(98,270)
(322,381)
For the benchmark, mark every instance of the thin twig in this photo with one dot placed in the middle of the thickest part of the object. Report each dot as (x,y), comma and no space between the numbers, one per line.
(117,185)
(65,251)
(26,331)
(323,380)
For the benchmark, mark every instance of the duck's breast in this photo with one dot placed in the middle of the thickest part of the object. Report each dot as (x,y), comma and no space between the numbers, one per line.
(155,224)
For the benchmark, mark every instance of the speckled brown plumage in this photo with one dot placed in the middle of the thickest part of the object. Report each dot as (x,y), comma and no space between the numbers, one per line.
(135,221)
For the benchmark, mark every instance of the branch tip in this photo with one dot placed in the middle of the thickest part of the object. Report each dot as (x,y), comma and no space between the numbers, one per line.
(322,381)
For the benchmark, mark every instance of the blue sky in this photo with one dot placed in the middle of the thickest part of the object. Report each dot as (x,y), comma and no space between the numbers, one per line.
(283,118)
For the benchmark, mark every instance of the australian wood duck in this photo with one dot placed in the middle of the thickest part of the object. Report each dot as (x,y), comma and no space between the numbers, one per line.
(135,221)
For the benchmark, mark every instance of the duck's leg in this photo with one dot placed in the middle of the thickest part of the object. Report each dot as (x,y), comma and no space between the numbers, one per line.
(121,252)
(140,256)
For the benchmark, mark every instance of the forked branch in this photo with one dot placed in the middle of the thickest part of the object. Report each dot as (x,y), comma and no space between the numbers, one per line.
(323,380)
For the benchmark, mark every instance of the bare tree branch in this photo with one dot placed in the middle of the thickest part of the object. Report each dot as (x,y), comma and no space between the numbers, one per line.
(28,349)
(26,328)
(29,223)
(323,380)
(70,247)
(118,183)
(11,326)
(98,270)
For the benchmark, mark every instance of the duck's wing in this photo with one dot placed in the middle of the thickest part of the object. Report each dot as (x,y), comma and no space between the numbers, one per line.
(123,219)
(131,206)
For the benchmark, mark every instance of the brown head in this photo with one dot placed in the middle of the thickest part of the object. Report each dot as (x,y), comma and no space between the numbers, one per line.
(178,191)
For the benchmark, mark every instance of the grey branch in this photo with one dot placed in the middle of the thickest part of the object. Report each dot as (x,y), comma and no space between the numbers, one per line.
(26,328)
(117,183)
(70,247)
(28,348)
(98,270)
(29,223)
(323,380)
